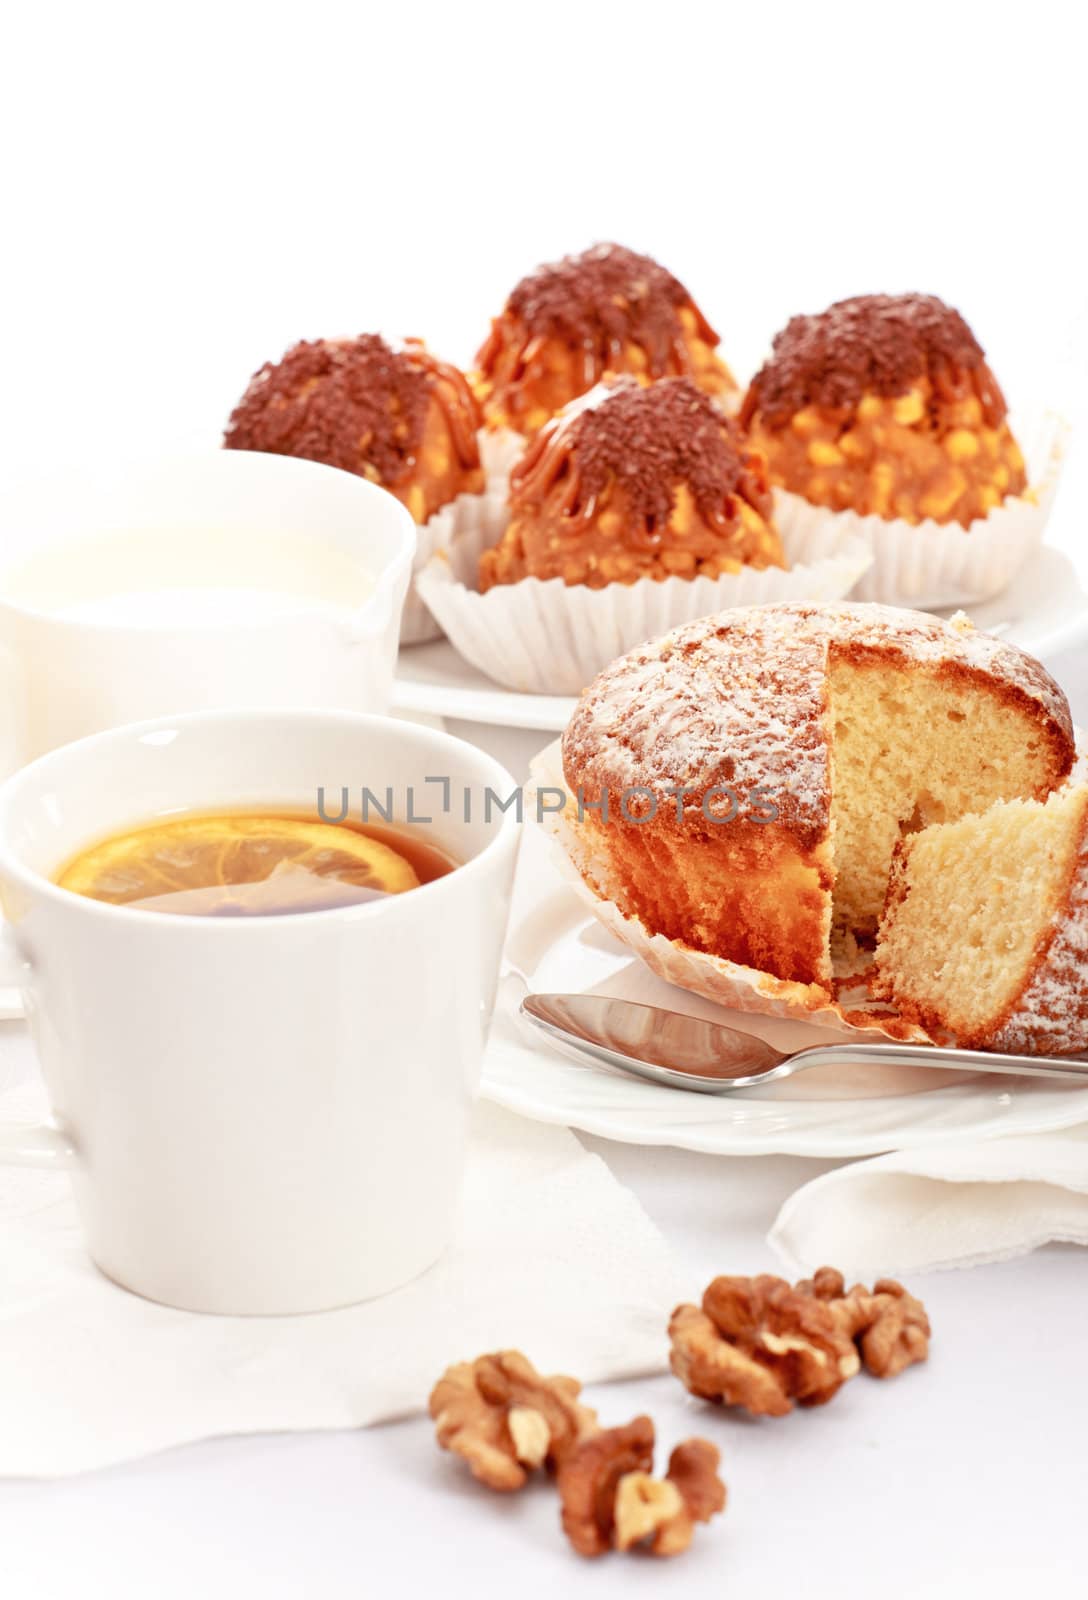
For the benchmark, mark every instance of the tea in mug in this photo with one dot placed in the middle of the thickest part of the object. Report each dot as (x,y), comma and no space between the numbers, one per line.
(252,864)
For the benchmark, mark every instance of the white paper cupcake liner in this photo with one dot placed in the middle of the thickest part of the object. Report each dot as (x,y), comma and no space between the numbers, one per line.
(486,512)
(931,564)
(543,637)
(726,983)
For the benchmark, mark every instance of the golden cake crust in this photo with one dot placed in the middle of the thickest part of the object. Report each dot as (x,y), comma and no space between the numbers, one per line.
(728,718)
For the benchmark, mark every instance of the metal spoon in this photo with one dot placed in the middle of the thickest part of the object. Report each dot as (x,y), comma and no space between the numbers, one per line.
(689,1053)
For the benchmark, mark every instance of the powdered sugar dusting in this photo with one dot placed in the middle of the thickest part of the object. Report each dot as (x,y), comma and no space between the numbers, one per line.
(741,699)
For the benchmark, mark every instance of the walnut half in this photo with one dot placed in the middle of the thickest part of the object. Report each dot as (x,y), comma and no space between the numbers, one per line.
(612,1501)
(505,1419)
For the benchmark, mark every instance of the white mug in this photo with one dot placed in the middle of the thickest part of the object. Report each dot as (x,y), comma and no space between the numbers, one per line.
(120,596)
(260,1114)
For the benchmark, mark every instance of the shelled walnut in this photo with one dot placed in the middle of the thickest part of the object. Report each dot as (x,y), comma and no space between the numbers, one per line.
(505,1420)
(612,1501)
(764,1345)
(758,1343)
(889,1326)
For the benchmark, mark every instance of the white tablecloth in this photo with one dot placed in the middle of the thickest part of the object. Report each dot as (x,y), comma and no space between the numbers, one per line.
(964,1477)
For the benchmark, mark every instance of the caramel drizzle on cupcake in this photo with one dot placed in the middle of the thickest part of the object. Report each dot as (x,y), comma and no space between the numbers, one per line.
(600,301)
(871,344)
(645,441)
(358,404)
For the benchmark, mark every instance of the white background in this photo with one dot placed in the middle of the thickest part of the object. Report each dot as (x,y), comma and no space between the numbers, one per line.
(187,191)
(190,189)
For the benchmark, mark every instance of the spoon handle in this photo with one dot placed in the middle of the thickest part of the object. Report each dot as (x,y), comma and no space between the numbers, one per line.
(926,1055)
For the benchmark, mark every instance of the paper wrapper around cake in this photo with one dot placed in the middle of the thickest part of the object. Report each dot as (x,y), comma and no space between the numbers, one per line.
(931,564)
(481,517)
(547,637)
(726,983)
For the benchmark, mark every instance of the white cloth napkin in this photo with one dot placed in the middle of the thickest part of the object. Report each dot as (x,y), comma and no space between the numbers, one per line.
(951,1206)
(553,1256)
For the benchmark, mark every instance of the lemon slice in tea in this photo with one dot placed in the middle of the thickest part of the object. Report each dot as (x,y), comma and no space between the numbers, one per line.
(182,855)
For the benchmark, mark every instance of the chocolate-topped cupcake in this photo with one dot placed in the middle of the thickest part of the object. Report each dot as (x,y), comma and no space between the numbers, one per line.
(884,404)
(634,481)
(570,322)
(638,507)
(397,416)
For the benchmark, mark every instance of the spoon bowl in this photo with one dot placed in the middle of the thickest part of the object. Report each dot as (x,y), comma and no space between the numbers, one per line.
(683,1052)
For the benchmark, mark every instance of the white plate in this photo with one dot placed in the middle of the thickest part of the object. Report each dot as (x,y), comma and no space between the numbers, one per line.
(555,944)
(433,680)
(1044,610)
